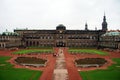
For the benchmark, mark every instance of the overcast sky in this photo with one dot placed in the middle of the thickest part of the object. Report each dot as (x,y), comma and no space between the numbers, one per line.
(47,14)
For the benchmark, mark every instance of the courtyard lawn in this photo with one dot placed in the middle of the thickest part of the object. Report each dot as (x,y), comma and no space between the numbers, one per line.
(39,47)
(7,72)
(90,51)
(33,51)
(112,73)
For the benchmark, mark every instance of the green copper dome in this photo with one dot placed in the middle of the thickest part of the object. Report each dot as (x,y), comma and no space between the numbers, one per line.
(10,33)
(111,34)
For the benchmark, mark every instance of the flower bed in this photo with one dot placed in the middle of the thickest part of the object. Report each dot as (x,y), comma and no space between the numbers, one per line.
(31,61)
(90,62)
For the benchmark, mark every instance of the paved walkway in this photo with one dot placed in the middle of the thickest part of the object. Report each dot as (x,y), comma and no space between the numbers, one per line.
(72,70)
(60,71)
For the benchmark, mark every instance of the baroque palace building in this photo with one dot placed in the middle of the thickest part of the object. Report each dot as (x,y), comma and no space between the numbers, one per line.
(111,39)
(60,37)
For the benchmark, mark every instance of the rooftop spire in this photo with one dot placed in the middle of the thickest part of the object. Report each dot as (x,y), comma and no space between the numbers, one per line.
(6,30)
(104,18)
(95,28)
(104,23)
(104,13)
(86,26)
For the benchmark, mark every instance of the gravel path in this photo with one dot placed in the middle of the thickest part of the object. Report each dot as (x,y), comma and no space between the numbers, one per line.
(60,71)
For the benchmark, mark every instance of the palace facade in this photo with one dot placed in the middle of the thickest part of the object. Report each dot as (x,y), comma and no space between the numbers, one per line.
(60,37)
(111,40)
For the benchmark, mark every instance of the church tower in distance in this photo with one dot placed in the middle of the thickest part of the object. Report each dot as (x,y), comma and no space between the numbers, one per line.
(104,24)
(86,26)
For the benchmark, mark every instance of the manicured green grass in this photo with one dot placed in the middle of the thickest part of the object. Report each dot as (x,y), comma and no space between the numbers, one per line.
(7,72)
(112,73)
(33,51)
(91,51)
(40,47)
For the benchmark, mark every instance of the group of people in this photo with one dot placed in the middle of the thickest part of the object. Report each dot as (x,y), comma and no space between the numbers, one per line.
(55,54)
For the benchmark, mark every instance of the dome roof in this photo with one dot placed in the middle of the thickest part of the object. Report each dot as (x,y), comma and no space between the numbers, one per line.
(111,34)
(10,33)
(61,27)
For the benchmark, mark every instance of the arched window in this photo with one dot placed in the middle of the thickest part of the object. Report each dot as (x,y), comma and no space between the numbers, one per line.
(37,43)
(30,43)
(27,43)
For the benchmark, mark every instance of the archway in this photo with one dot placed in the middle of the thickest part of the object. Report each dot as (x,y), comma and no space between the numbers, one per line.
(60,44)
